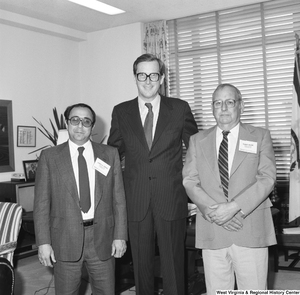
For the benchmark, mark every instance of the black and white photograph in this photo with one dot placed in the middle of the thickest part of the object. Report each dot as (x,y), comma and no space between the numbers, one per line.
(30,170)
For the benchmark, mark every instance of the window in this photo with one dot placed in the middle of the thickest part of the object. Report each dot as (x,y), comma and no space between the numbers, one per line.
(251,47)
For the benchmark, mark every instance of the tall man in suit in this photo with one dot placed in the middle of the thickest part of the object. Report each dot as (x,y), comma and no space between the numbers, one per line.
(75,227)
(234,225)
(156,199)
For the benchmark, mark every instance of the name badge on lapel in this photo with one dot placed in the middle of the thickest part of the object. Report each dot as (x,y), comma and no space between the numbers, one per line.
(101,166)
(248,146)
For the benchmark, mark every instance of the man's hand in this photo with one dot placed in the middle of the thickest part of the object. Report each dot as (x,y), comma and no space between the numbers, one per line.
(118,248)
(206,216)
(46,255)
(223,212)
(233,224)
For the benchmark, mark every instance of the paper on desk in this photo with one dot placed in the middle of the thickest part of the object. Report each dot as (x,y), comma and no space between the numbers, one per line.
(291,230)
(192,209)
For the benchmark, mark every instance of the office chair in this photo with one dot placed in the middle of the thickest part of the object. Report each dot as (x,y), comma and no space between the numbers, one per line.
(10,223)
(7,277)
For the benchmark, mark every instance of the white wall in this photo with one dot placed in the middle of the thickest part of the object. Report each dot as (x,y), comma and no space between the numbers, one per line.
(40,71)
(37,72)
(106,60)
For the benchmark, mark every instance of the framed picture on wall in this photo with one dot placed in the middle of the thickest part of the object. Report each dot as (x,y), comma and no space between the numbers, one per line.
(7,158)
(26,136)
(30,169)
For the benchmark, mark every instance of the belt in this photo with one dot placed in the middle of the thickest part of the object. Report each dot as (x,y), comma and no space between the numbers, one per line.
(88,222)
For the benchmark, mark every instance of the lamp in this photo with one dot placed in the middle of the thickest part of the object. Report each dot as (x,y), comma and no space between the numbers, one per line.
(99,6)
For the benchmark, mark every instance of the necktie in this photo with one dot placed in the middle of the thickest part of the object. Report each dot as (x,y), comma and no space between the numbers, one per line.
(223,163)
(148,125)
(84,185)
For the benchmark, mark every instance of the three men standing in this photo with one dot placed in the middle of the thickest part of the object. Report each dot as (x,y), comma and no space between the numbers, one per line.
(229,172)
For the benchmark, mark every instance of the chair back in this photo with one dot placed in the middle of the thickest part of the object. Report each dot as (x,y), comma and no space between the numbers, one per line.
(10,223)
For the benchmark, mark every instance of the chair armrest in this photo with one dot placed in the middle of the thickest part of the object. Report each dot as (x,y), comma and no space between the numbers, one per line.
(8,247)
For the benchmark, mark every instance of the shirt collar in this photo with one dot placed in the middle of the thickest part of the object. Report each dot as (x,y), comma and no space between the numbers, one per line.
(155,103)
(234,131)
(74,147)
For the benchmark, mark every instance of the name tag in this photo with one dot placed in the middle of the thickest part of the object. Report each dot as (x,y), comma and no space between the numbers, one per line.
(248,146)
(101,166)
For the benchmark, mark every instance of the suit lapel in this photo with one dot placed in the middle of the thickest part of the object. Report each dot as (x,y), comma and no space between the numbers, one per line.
(163,118)
(99,177)
(208,145)
(65,169)
(244,134)
(134,119)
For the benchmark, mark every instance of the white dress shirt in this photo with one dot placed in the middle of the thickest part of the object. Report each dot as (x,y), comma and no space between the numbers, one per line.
(88,154)
(155,109)
(232,142)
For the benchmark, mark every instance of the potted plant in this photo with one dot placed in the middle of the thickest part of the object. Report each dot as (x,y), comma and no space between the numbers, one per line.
(52,136)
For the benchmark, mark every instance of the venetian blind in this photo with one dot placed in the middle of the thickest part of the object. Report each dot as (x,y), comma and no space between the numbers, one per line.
(251,47)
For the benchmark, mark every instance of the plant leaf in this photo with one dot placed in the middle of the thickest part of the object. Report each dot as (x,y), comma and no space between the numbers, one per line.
(62,122)
(55,135)
(47,133)
(39,149)
(56,118)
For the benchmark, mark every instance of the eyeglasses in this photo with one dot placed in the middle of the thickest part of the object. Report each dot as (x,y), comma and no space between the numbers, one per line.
(86,122)
(230,103)
(142,77)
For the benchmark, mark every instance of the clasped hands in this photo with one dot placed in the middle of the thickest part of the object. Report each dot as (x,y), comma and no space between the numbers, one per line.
(225,215)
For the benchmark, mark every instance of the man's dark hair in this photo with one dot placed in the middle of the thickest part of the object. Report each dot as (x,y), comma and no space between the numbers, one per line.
(79,105)
(149,57)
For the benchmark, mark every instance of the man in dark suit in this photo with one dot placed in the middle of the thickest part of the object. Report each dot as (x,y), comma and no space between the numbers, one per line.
(156,199)
(228,173)
(75,227)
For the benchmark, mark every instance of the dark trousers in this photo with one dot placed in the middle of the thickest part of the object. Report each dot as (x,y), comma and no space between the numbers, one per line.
(67,275)
(170,239)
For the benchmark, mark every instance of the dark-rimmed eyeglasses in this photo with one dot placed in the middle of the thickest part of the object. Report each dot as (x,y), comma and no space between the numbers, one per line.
(230,103)
(86,122)
(142,77)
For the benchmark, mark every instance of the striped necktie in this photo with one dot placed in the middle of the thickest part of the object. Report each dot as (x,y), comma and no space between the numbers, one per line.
(84,184)
(223,163)
(148,125)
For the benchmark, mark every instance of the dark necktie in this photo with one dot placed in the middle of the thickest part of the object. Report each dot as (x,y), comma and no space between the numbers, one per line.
(148,125)
(84,184)
(223,162)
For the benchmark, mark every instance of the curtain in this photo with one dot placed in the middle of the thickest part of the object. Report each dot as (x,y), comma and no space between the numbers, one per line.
(294,201)
(155,42)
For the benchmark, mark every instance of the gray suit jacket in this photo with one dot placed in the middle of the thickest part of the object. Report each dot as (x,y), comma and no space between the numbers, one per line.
(57,215)
(252,179)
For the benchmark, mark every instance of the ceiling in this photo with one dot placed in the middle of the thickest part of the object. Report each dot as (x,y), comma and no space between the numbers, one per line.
(73,16)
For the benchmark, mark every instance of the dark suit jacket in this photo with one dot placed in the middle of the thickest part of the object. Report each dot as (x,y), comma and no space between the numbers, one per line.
(57,215)
(154,174)
(251,180)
